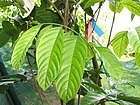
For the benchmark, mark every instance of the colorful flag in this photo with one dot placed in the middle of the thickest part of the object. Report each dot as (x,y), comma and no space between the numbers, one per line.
(92,26)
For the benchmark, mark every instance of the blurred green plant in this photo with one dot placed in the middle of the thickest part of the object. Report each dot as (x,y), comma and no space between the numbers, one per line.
(49,34)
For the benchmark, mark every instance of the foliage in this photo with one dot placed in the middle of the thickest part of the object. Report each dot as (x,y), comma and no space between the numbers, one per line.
(70,76)
(49,55)
(121,40)
(111,63)
(8,80)
(114,96)
(118,7)
(132,6)
(22,46)
(48,34)
(4,38)
(90,3)
(120,43)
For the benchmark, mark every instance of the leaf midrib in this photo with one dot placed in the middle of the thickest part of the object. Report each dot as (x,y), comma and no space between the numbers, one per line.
(51,52)
(129,4)
(121,44)
(71,65)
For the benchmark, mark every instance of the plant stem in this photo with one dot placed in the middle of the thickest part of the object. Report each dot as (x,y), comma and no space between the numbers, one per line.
(86,37)
(35,83)
(57,10)
(66,14)
(111,27)
(94,60)
(79,96)
(71,102)
(75,10)
(62,103)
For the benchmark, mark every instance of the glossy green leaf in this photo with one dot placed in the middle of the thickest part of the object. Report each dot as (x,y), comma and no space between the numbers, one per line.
(131,6)
(128,98)
(90,51)
(132,16)
(120,43)
(72,69)
(21,47)
(16,76)
(4,3)
(110,62)
(137,57)
(119,7)
(43,15)
(3,38)
(79,3)
(94,86)
(3,89)
(48,55)
(138,30)
(92,98)
(60,4)
(9,28)
(90,3)
(134,40)
(44,3)
(88,10)
(123,99)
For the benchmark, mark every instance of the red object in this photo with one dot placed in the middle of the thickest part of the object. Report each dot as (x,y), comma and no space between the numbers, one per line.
(90,29)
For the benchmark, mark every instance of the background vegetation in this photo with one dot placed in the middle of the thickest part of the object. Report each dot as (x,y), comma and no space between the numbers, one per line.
(47,56)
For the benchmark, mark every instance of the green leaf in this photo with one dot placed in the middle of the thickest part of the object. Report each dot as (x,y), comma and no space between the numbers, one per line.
(9,28)
(111,63)
(119,7)
(60,4)
(90,50)
(3,38)
(5,3)
(134,40)
(44,4)
(131,6)
(43,15)
(89,10)
(21,47)
(90,3)
(96,88)
(95,98)
(132,17)
(127,98)
(16,76)
(48,55)
(137,57)
(3,89)
(92,98)
(120,43)
(138,31)
(72,69)
(79,3)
